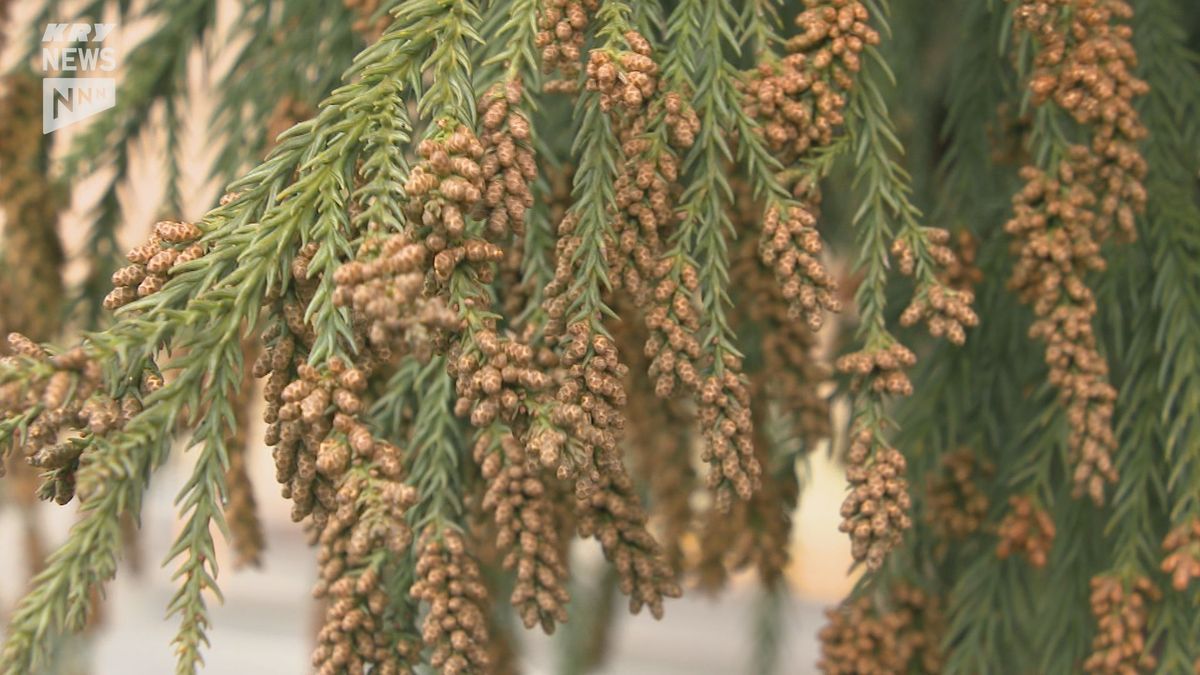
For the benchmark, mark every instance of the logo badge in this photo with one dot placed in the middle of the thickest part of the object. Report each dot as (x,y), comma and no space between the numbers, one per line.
(76,49)
(66,100)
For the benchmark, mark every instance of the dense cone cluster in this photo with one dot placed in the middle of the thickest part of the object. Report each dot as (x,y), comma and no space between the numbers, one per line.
(956,504)
(359,633)
(573,426)
(791,247)
(463,341)
(587,409)
(880,370)
(673,321)
(443,190)
(799,102)
(508,165)
(591,393)
(626,79)
(1053,229)
(383,287)
(794,117)
(312,412)
(728,428)
(963,273)
(945,310)
(495,379)
(1182,562)
(793,369)
(681,120)
(1079,370)
(660,443)
(1026,530)
(449,582)
(650,137)
(562,31)
(518,499)
(586,419)
(653,127)
(588,406)
(170,245)
(613,514)
(1122,612)
(876,511)
(901,634)
(799,99)
(349,483)
(755,533)
(1084,67)
(312,417)
(61,399)
(646,193)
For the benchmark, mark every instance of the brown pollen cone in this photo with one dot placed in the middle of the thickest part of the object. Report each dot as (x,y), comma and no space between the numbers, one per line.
(1182,561)
(660,445)
(613,514)
(508,164)
(171,244)
(901,633)
(956,505)
(562,30)
(449,582)
(357,545)
(944,309)
(876,511)
(517,497)
(1026,530)
(62,397)
(755,533)
(1122,612)
(1083,66)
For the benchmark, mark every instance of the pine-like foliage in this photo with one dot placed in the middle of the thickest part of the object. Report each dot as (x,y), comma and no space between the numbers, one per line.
(537,269)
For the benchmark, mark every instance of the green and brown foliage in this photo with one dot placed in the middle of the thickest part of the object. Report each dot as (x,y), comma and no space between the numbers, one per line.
(534,269)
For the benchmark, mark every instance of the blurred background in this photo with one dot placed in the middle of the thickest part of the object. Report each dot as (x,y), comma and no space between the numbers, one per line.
(268,618)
